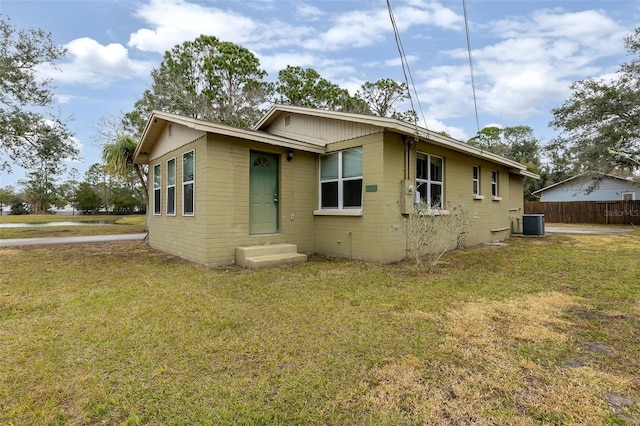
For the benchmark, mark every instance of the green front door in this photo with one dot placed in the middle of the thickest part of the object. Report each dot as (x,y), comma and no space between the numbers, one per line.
(263,193)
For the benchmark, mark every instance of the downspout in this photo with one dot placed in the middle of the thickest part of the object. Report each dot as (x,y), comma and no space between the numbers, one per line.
(409,144)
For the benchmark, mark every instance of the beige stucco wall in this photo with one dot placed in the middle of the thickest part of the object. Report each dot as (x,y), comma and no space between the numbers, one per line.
(221,219)
(370,236)
(228,198)
(180,235)
(493,216)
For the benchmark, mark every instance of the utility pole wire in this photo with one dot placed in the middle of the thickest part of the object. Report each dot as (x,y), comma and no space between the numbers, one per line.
(473,83)
(405,70)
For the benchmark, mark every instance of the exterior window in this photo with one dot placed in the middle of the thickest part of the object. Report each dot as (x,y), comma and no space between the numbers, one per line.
(188,180)
(476,180)
(157,189)
(430,180)
(341,180)
(628,196)
(494,183)
(171,187)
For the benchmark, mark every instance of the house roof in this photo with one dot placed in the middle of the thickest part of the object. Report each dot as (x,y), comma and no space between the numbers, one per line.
(585,174)
(258,133)
(397,126)
(158,120)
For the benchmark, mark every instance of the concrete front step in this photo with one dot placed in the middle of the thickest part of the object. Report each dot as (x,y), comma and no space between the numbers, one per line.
(265,255)
(274,260)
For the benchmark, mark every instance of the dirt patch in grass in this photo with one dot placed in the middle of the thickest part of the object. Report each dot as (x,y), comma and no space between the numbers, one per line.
(498,364)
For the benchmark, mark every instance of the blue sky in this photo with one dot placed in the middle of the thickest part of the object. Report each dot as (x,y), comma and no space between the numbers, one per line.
(526,53)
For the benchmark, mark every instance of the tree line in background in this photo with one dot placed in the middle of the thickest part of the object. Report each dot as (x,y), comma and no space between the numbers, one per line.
(222,82)
(99,191)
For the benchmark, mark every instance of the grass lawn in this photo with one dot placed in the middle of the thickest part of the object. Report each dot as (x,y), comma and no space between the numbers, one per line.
(542,331)
(131,224)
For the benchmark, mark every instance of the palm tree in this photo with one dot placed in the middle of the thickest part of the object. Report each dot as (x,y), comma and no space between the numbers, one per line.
(118,157)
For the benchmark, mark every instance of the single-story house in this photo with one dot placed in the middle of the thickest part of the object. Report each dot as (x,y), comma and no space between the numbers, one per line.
(591,186)
(328,182)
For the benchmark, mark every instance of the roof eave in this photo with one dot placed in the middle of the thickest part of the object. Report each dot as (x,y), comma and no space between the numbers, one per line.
(157,118)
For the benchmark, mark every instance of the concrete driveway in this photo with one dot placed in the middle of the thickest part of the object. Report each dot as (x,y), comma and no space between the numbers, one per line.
(17,242)
(586,230)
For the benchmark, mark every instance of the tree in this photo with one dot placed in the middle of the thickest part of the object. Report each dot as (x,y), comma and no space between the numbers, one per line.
(24,98)
(99,180)
(7,197)
(125,201)
(68,189)
(382,96)
(118,158)
(87,199)
(45,166)
(600,122)
(517,143)
(207,79)
(490,139)
(305,87)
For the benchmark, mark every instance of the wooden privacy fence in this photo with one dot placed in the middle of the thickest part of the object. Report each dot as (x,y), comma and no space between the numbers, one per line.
(604,212)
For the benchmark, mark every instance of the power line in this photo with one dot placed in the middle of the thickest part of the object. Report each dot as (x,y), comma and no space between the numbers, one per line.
(473,83)
(405,69)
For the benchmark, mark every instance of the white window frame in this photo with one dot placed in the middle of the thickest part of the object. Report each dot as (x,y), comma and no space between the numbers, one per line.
(340,180)
(171,202)
(476,178)
(627,193)
(186,183)
(494,183)
(495,186)
(429,181)
(157,189)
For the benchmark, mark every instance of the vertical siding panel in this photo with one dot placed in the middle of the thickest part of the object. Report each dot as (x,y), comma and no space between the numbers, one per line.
(600,212)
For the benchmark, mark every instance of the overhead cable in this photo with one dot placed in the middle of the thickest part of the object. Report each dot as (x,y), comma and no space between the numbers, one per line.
(473,83)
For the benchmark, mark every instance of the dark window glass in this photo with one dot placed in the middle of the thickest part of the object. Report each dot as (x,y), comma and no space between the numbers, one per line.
(436,169)
(421,168)
(330,195)
(352,193)
(188,198)
(436,196)
(171,200)
(156,201)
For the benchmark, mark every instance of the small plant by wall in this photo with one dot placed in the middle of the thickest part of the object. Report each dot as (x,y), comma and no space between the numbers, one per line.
(431,233)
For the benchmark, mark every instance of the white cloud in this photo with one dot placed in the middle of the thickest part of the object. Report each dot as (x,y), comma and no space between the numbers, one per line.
(532,62)
(309,12)
(93,63)
(63,99)
(360,28)
(396,62)
(445,91)
(173,22)
(439,126)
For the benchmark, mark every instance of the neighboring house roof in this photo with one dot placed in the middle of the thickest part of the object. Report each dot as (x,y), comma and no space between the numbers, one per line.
(592,174)
(259,133)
